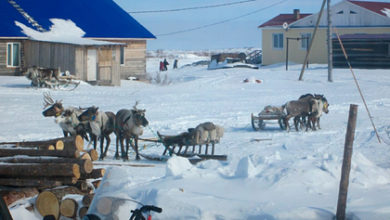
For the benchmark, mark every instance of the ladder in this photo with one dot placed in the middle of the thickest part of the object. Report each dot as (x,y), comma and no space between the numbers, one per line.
(30,19)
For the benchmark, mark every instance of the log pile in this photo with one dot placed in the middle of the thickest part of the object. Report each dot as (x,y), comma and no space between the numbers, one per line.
(35,168)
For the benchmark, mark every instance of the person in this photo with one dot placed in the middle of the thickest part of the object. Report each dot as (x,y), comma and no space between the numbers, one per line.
(166,65)
(161,66)
(175,64)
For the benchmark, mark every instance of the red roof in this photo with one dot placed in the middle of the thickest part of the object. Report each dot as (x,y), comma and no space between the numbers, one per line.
(373,6)
(280,19)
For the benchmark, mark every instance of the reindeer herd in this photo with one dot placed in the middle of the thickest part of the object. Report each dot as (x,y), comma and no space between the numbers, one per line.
(306,111)
(128,124)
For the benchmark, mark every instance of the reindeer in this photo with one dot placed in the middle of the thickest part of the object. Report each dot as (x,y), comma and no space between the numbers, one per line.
(42,77)
(299,109)
(322,107)
(99,125)
(65,118)
(129,124)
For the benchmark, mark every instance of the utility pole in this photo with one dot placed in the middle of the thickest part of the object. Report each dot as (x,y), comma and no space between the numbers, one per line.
(330,48)
(312,40)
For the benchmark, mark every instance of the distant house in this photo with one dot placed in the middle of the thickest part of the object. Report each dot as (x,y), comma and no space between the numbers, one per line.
(94,61)
(348,17)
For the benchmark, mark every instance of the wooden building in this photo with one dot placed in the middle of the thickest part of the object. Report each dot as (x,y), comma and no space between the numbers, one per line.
(348,17)
(122,54)
(364,51)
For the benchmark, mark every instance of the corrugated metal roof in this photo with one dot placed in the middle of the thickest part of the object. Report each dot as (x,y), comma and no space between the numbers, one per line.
(98,18)
(280,19)
(365,36)
(376,7)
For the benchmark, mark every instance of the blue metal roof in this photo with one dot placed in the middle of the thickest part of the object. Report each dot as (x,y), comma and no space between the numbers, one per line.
(98,18)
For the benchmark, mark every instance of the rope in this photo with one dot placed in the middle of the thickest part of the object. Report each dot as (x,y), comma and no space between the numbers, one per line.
(156,135)
(357,85)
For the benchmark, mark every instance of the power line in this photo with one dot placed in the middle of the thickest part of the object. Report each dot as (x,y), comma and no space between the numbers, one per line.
(221,22)
(192,8)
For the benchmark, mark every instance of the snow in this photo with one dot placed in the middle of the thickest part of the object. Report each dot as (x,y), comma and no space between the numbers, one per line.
(286,175)
(62,31)
(386,11)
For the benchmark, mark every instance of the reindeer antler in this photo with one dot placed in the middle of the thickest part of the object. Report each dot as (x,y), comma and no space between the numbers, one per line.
(47,100)
(135,106)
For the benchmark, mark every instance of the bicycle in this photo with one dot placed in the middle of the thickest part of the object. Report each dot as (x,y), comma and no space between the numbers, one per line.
(138,213)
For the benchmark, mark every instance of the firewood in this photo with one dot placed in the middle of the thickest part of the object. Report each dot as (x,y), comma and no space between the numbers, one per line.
(84,187)
(40,169)
(33,152)
(12,195)
(60,192)
(85,156)
(82,212)
(86,166)
(57,143)
(96,183)
(74,142)
(68,208)
(47,204)
(39,182)
(94,154)
(87,200)
(95,174)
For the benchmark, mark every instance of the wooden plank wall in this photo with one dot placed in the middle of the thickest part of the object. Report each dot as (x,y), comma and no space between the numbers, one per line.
(4,70)
(50,55)
(135,58)
(362,53)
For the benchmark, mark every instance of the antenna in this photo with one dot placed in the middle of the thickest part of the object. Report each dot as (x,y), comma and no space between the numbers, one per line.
(285,26)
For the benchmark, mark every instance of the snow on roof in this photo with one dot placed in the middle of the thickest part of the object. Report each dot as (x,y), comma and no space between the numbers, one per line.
(99,19)
(381,8)
(61,31)
(386,11)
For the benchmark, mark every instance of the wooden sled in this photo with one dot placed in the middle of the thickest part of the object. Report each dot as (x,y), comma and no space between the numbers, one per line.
(180,145)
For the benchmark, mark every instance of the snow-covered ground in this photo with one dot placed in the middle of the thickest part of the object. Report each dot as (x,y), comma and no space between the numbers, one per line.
(294,175)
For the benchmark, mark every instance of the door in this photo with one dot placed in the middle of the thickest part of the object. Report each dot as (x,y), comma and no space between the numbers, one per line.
(91,65)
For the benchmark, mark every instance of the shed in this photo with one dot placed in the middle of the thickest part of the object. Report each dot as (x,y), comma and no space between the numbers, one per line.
(363,50)
(114,25)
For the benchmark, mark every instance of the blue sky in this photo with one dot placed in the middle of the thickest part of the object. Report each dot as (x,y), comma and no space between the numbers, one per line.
(242,32)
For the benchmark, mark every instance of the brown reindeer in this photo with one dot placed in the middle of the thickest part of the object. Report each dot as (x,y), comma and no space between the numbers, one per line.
(67,121)
(297,109)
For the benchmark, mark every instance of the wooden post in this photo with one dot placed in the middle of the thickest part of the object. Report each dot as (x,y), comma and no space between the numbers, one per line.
(330,49)
(287,54)
(346,167)
(312,40)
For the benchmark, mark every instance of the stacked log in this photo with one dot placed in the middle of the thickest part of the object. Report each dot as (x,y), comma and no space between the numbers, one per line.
(27,168)
(45,166)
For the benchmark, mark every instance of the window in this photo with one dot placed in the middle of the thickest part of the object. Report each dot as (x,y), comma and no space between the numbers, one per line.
(277,41)
(352,12)
(340,12)
(13,54)
(304,41)
(122,55)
